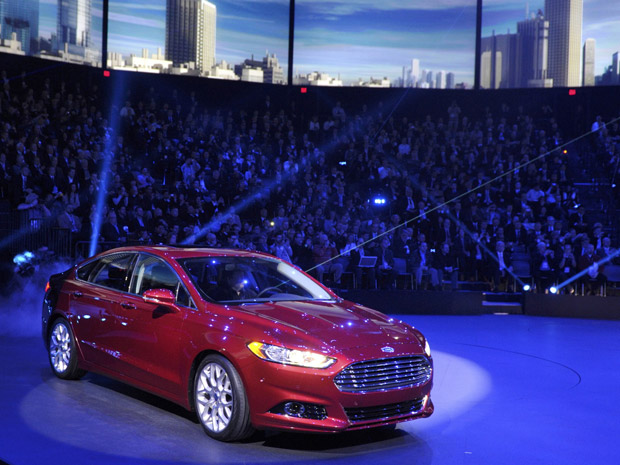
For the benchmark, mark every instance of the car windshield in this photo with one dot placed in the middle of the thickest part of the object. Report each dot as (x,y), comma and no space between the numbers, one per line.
(250,279)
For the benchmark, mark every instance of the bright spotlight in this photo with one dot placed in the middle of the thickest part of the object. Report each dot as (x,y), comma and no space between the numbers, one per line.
(379,201)
(527,287)
(553,290)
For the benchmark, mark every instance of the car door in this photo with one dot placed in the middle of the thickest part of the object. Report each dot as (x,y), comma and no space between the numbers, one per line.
(94,298)
(152,333)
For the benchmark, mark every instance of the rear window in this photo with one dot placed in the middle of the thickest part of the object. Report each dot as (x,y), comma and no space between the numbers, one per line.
(110,271)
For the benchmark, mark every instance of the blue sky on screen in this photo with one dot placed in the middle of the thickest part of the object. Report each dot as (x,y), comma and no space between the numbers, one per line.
(354,38)
(363,39)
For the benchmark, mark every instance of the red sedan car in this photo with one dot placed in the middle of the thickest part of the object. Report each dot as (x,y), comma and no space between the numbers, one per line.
(246,340)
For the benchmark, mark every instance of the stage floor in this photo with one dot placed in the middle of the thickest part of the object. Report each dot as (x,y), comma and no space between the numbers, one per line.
(508,390)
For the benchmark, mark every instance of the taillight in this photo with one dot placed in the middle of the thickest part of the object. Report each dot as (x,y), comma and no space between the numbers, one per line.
(47,287)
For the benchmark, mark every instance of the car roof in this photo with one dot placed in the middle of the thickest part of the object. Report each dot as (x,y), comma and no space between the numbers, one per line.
(186,252)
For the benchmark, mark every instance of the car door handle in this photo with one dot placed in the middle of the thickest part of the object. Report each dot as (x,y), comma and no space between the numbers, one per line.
(77,294)
(128,305)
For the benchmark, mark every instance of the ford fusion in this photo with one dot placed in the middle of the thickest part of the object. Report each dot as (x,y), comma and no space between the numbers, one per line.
(244,339)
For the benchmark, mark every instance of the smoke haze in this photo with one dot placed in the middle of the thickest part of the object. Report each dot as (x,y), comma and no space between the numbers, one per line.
(20,309)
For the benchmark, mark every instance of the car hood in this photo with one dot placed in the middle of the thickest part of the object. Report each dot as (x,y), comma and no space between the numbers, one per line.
(339,325)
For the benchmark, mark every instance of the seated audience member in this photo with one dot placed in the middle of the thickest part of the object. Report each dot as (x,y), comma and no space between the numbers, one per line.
(544,266)
(385,265)
(593,278)
(422,264)
(323,252)
(446,266)
(500,267)
(567,266)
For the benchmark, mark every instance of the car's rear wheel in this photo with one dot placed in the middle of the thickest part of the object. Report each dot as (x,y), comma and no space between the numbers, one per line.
(62,351)
(220,400)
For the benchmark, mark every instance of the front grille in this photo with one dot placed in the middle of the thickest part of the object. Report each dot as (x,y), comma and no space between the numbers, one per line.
(380,412)
(384,374)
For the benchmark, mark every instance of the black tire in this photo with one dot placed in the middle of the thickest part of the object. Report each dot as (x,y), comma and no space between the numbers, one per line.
(62,351)
(220,400)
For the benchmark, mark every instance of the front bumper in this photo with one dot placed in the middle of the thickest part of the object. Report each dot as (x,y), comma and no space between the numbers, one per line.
(271,385)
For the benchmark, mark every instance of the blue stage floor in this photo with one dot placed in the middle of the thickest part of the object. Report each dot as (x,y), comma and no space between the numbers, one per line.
(508,390)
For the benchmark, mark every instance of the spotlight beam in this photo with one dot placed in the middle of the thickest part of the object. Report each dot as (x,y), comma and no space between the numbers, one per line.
(108,154)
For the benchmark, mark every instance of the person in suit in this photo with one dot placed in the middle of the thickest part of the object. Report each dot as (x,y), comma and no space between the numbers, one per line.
(112,232)
(544,266)
(422,264)
(501,268)
(446,265)
(593,277)
(385,265)
(567,266)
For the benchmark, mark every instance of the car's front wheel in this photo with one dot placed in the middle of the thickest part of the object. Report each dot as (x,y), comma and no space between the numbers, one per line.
(220,400)
(62,350)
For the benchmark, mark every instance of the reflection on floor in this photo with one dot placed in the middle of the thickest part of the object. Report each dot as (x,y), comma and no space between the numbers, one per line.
(508,390)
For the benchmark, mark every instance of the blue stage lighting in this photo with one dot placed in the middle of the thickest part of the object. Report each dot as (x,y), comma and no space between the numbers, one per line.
(553,290)
(527,287)
(379,201)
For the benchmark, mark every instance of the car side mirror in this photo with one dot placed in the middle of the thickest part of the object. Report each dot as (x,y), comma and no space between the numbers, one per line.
(159,296)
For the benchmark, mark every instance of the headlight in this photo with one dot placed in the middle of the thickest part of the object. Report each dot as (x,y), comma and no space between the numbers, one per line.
(302,358)
(427,349)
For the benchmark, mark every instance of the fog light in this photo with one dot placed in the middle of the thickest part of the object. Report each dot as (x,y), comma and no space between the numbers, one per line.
(300,410)
(294,409)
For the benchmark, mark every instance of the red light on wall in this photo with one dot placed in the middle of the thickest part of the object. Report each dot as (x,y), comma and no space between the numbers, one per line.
(572,92)
(303,90)
(106,73)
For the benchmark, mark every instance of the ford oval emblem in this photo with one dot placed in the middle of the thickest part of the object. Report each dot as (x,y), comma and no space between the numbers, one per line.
(387,350)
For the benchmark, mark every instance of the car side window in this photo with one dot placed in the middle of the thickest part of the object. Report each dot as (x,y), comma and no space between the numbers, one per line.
(112,271)
(85,271)
(153,273)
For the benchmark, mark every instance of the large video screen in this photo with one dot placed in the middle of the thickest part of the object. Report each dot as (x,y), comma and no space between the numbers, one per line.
(389,43)
(68,31)
(223,39)
(549,43)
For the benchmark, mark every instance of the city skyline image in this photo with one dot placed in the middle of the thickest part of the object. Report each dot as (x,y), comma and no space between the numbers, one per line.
(369,39)
(598,25)
(414,43)
(244,29)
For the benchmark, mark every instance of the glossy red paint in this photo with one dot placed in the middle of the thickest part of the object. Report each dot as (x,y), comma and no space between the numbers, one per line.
(156,346)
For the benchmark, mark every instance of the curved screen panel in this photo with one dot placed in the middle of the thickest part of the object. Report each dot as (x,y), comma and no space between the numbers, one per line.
(391,43)
(223,39)
(549,43)
(67,30)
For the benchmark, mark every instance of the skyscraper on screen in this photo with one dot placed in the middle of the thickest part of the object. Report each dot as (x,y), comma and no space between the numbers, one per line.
(190,33)
(74,23)
(22,18)
(565,25)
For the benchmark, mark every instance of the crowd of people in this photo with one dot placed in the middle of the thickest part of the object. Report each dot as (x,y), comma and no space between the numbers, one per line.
(443,198)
